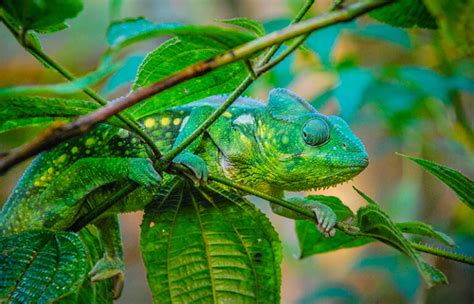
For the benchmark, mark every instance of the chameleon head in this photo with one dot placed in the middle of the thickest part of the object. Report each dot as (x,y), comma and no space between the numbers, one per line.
(308,149)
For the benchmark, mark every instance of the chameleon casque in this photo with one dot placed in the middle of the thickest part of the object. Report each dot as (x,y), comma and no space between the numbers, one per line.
(285,145)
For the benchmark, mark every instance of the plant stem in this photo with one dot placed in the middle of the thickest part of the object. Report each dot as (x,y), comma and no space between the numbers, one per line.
(444,254)
(60,133)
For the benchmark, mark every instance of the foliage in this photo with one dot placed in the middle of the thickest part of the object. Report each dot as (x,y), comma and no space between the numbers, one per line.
(209,243)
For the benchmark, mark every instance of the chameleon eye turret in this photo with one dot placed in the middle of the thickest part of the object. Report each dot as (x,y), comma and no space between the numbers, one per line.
(315,132)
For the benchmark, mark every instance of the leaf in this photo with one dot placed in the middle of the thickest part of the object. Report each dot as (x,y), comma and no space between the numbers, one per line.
(246,23)
(40,266)
(375,223)
(209,245)
(460,184)
(128,31)
(62,88)
(456,23)
(42,16)
(16,112)
(351,90)
(99,292)
(115,7)
(176,54)
(405,13)
(124,76)
(311,241)
(386,33)
(422,229)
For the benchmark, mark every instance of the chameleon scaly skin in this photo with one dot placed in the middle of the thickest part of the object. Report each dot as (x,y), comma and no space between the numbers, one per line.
(285,145)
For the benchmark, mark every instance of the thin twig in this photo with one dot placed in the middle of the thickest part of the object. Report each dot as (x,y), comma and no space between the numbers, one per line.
(59,134)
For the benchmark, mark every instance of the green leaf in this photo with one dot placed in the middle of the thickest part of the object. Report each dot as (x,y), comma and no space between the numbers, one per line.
(115,7)
(16,112)
(386,33)
(350,93)
(209,245)
(405,13)
(311,241)
(124,76)
(460,184)
(42,16)
(375,223)
(40,266)
(177,54)
(69,87)
(128,31)
(422,229)
(246,23)
(456,22)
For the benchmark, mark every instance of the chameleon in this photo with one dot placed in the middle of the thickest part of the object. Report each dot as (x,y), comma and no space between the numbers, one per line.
(282,145)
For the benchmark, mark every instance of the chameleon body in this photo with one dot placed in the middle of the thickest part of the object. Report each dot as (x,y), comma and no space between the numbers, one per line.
(285,145)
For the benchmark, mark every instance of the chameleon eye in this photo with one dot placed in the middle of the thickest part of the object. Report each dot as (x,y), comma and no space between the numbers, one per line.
(315,132)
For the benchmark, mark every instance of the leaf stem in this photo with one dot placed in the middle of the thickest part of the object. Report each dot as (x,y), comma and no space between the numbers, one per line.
(444,254)
(81,125)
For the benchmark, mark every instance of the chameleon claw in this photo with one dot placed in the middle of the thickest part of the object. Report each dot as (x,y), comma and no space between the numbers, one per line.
(196,165)
(143,172)
(325,219)
(106,268)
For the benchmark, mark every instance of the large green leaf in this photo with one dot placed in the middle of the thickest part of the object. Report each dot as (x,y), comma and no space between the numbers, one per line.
(312,241)
(126,32)
(456,22)
(40,266)
(460,184)
(99,292)
(179,53)
(16,112)
(208,245)
(248,24)
(375,223)
(42,16)
(423,229)
(405,13)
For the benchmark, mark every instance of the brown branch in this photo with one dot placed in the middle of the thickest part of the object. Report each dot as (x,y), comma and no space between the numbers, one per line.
(59,133)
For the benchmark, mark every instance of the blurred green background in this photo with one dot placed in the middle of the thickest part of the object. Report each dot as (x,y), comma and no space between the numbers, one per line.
(401,91)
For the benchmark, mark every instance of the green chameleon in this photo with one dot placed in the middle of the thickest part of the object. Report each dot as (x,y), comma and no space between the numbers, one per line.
(285,145)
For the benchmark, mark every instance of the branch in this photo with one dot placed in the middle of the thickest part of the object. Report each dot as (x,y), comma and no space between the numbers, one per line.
(58,134)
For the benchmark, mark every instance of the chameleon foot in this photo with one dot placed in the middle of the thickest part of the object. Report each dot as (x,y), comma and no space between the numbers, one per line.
(142,172)
(325,219)
(109,267)
(196,165)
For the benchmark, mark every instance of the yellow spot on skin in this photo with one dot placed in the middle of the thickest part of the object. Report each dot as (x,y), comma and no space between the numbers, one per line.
(267,145)
(62,158)
(176,121)
(149,123)
(50,170)
(43,178)
(168,135)
(227,114)
(165,121)
(90,141)
(37,183)
(244,139)
(285,140)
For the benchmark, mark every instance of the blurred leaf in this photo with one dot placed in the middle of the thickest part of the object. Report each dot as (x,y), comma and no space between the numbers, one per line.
(246,23)
(177,54)
(99,292)
(17,112)
(41,266)
(282,74)
(427,81)
(320,100)
(209,245)
(42,16)
(353,84)
(311,241)
(128,31)
(460,184)
(422,229)
(124,76)
(405,13)
(456,22)
(398,268)
(386,33)
(336,293)
(115,7)
(62,88)
(373,222)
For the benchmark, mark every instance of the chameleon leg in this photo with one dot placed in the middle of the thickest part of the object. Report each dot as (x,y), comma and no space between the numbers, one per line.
(325,217)
(62,200)
(111,265)
(187,157)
